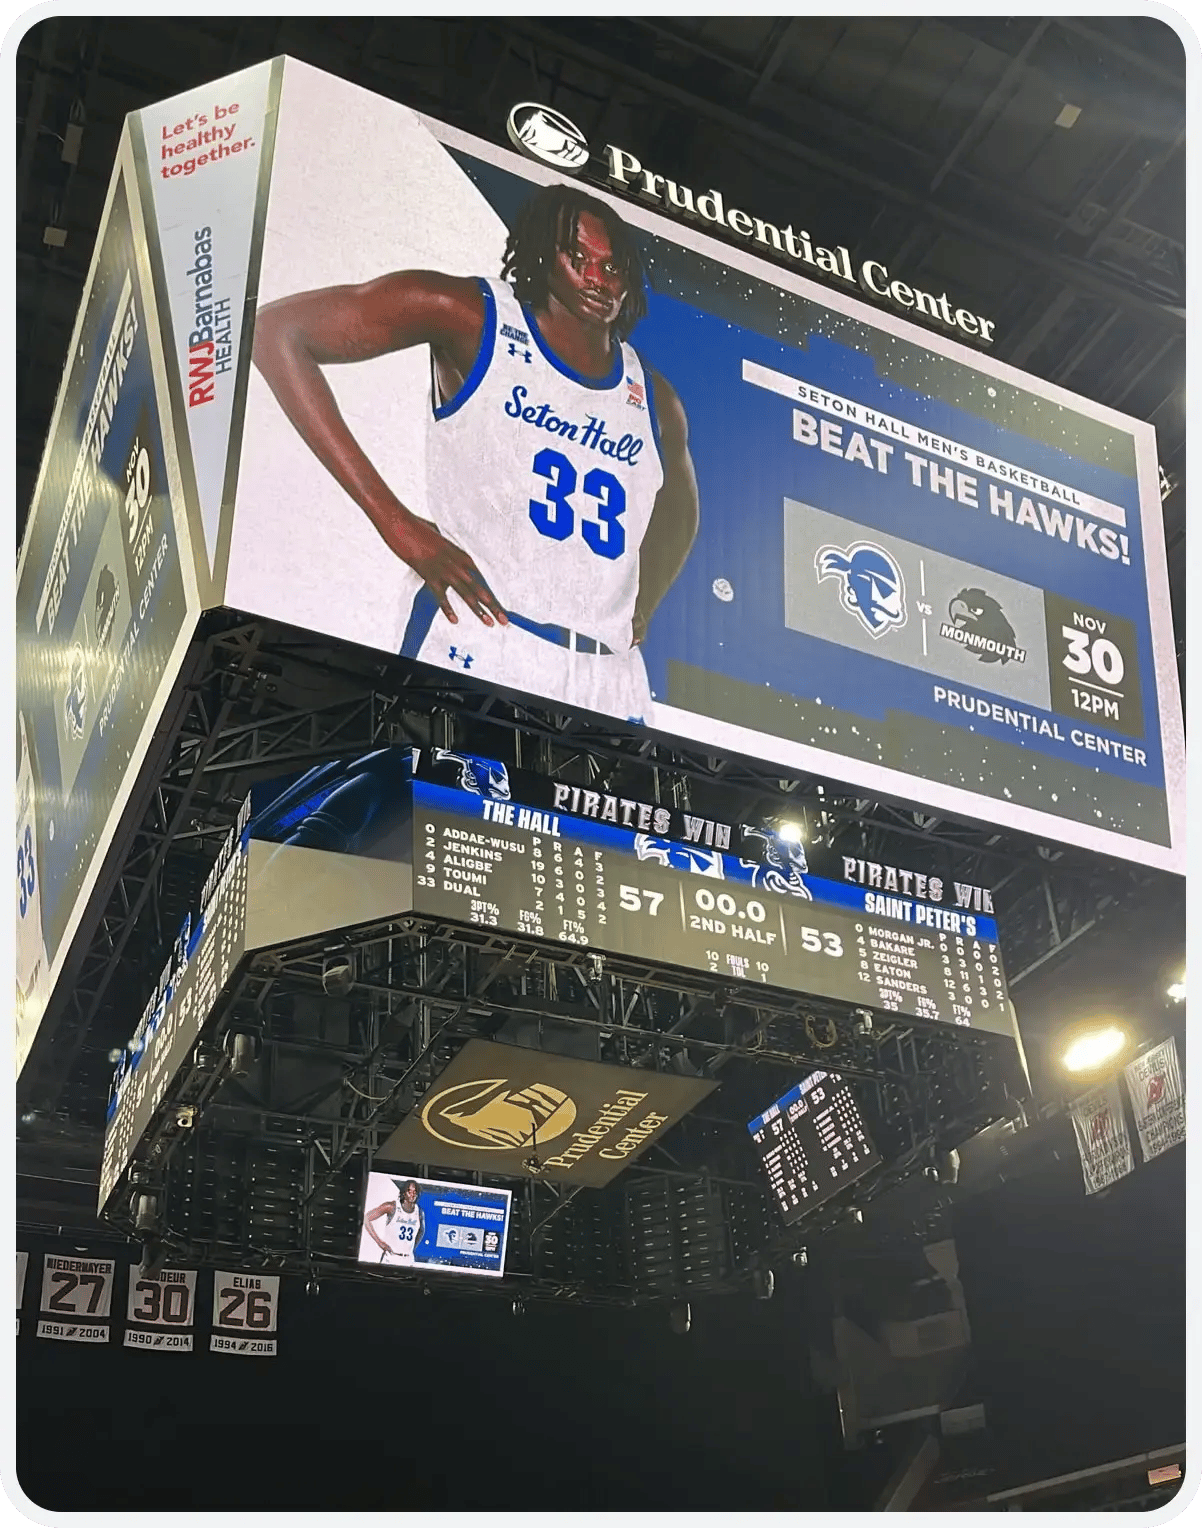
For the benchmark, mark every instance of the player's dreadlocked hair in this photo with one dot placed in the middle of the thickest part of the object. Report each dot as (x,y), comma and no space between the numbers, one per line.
(547,222)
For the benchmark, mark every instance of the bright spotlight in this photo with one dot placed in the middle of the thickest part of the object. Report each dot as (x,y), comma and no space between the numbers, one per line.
(792,832)
(1094,1048)
(1176,992)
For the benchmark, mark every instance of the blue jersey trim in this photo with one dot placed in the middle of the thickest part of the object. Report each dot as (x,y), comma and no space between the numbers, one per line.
(488,341)
(421,618)
(652,416)
(598,384)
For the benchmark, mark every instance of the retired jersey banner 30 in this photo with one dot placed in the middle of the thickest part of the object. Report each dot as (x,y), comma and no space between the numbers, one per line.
(553,440)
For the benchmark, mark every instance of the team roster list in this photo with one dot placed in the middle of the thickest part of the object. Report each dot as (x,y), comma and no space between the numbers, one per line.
(811,1143)
(547,875)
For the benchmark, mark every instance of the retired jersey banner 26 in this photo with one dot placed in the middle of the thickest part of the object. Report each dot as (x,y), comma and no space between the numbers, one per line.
(550,439)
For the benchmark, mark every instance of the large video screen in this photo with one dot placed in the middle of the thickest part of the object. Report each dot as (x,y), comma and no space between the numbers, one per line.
(535,432)
(115,565)
(104,603)
(812,1142)
(420,1223)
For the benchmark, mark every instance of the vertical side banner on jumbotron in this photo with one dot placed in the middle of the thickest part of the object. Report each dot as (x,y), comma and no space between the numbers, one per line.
(106,600)
(716,500)
(205,157)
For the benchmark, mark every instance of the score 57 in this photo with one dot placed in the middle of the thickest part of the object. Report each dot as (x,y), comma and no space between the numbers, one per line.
(633,897)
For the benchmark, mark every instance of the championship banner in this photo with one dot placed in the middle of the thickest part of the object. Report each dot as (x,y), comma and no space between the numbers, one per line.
(1102,1139)
(515,1112)
(202,153)
(1157,1093)
(716,499)
(77,1294)
(160,1307)
(105,601)
(244,1309)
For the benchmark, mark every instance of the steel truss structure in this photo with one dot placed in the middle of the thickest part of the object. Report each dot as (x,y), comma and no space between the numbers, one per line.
(264,1160)
(269,1166)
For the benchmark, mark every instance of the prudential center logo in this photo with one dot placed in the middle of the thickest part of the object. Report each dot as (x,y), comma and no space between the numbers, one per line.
(548,136)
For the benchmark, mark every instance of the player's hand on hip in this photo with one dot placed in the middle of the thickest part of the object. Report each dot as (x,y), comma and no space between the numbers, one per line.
(443,566)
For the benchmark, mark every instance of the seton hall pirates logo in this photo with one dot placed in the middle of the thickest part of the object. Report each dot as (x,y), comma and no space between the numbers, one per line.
(979,624)
(547,136)
(873,587)
(680,856)
(783,866)
(481,776)
(75,703)
(488,1115)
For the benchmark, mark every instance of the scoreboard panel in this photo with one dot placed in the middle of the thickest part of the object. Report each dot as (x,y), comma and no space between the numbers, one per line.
(811,1143)
(549,875)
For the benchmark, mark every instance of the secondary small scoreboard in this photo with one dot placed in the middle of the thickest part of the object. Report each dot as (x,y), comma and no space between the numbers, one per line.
(812,1142)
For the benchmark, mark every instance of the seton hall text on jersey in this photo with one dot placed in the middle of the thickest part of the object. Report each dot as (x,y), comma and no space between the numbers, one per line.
(592,434)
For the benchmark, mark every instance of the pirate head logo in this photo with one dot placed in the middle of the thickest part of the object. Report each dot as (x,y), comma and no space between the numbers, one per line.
(488,1115)
(679,856)
(985,630)
(481,776)
(75,703)
(873,588)
(782,867)
(547,136)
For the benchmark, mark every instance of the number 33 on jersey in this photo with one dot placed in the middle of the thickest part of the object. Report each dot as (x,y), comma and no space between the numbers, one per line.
(548,477)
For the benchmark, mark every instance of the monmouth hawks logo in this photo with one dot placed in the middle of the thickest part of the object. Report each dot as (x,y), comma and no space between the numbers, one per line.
(873,587)
(979,623)
(547,136)
(487,1115)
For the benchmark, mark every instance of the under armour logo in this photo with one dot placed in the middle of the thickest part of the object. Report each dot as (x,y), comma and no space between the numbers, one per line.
(525,354)
(464,660)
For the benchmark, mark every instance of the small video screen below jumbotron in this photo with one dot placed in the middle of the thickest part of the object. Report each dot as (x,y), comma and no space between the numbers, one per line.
(812,1142)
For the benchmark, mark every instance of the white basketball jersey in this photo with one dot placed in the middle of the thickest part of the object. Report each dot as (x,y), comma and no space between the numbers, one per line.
(31,944)
(401,1233)
(546,477)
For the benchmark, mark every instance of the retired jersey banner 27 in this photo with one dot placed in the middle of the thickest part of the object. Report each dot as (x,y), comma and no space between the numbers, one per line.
(544,437)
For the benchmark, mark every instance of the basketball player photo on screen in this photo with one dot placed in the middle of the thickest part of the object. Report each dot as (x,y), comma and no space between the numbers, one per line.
(561,494)
(393,1228)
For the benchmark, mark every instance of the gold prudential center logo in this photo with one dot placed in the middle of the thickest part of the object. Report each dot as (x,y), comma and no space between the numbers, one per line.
(487,1114)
